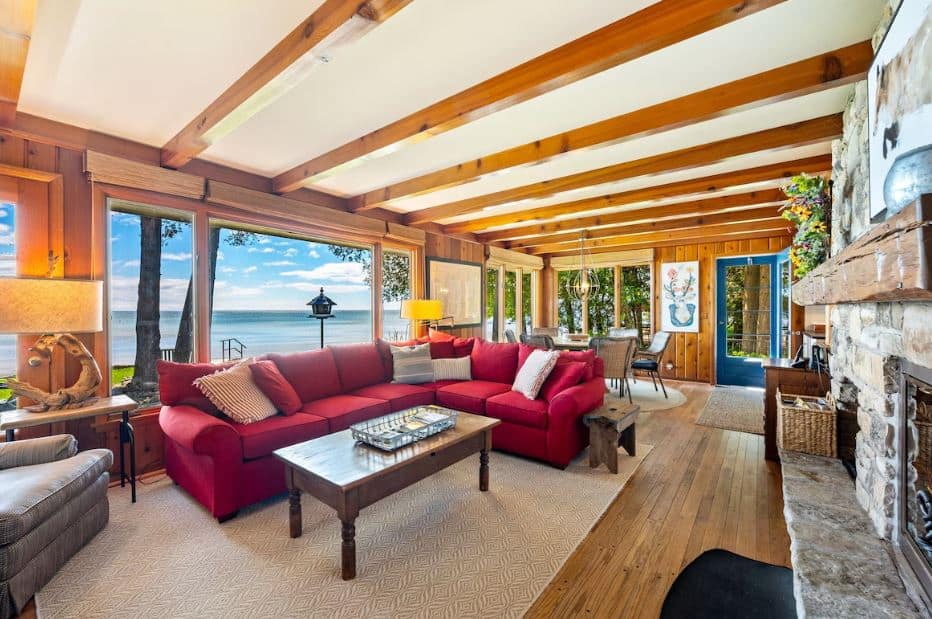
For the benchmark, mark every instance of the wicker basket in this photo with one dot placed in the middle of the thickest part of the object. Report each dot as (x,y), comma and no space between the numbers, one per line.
(811,429)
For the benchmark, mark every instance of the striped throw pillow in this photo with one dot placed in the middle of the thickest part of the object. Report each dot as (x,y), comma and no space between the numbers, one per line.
(452,369)
(234,392)
(534,372)
(412,364)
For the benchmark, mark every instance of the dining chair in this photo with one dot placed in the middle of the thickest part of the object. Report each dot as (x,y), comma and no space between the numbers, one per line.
(551,331)
(617,354)
(649,360)
(622,332)
(538,341)
(510,336)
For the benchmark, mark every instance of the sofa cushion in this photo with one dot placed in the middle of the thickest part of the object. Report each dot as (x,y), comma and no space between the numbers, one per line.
(436,335)
(31,494)
(470,396)
(516,408)
(275,387)
(442,349)
(399,396)
(564,375)
(342,411)
(462,347)
(312,373)
(586,356)
(176,384)
(497,363)
(263,437)
(437,384)
(359,365)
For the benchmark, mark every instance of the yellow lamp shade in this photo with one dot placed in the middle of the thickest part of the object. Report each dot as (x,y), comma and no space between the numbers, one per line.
(421,309)
(41,305)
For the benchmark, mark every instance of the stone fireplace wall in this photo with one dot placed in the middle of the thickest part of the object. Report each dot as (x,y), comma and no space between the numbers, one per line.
(869,339)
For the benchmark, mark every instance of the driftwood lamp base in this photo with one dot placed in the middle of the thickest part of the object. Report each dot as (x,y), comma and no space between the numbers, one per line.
(82,393)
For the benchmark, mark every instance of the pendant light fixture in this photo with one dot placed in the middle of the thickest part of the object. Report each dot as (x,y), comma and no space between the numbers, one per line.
(585,282)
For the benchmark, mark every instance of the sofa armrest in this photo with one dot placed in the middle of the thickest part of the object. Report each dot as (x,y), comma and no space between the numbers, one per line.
(37,451)
(578,399)
(200,432)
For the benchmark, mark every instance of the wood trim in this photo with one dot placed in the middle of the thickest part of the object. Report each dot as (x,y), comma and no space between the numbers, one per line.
(655,27)
(812,131)
(779,172)
(829,70)
(276,73)
(629,257)
(717,204)
(28,174)
(652,225)
(514,259)
(704,234)
(405,234)
(119,171)
(15,35)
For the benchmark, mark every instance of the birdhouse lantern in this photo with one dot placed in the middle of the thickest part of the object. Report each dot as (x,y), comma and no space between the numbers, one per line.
(321,306)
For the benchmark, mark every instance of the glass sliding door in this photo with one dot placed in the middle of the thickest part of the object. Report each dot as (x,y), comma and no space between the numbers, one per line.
(784,343)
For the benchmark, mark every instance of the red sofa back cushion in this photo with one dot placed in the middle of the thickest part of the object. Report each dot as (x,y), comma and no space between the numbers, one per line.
(359,365)
(586,356)
(176,384)
(275,387)
(564,375)
(313,373)
(462,347)
(497,363)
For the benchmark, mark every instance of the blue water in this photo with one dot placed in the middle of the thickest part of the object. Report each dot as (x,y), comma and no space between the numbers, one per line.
(260,331)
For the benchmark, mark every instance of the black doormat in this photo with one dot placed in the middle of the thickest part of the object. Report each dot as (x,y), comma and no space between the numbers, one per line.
(722,584)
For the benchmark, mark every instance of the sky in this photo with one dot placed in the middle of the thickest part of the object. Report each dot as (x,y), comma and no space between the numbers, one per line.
(7,262)
(271,273)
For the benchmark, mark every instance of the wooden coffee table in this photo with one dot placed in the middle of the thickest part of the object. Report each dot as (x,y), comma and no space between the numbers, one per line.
(349,476)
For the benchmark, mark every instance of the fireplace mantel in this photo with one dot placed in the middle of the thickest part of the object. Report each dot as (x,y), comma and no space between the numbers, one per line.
(889,263)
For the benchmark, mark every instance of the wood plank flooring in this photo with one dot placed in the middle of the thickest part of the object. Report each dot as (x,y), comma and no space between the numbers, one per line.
(699,488)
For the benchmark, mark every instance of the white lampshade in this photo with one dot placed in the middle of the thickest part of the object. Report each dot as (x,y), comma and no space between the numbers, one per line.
(40,305)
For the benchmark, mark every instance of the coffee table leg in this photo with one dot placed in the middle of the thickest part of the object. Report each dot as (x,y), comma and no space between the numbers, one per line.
(349,550)
(484,470)
(294,512)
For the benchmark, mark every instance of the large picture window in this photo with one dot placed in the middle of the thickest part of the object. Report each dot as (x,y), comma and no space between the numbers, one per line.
(151,295)
(601,301)
(397,286)
(526,301)
(7,269)
(491,304)
(569,306)
(634,300)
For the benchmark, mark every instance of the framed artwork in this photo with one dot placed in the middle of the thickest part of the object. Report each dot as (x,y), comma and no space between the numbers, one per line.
(458,285)
(679,297)
(899,95)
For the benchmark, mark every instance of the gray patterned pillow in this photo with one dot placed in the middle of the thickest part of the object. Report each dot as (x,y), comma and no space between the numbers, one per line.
(412,364)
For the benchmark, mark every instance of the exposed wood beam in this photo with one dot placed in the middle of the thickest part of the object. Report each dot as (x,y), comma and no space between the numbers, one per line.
(768,173)
(775,225)
(651,225)
(804,133)
(815,74)
(655,27)
(678,209)
(16,20)
(335,21)
(696,239)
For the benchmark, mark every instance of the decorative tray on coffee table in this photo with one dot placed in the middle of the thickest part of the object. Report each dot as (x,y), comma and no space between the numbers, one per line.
(404,427)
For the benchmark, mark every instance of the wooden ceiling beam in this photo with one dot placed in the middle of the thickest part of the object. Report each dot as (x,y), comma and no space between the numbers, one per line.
(334,22)
(655,27)
(778,172)
(677,209)
(694,240)
(651,225)
(829,70)
(774,226)
(794,135)
(17,18)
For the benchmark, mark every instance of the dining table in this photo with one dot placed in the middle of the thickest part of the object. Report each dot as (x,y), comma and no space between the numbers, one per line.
(565,343)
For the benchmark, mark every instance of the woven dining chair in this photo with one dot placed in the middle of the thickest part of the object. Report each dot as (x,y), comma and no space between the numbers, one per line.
(551,331)
(510,336)
(538,341)
(617,354)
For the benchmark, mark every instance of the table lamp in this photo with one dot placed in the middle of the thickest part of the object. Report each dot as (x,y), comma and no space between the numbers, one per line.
(421,310)
(54,309)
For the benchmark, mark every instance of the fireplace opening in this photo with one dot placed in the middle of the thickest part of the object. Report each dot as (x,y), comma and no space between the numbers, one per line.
(914,539)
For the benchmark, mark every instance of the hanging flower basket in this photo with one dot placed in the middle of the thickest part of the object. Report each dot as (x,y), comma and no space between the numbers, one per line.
(808,206)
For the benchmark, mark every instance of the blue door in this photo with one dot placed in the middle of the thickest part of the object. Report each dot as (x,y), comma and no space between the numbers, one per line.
(752,316)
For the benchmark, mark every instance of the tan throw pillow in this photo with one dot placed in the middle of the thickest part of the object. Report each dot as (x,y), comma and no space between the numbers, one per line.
(458,368)
(234,392)
(534,372)
(412,364)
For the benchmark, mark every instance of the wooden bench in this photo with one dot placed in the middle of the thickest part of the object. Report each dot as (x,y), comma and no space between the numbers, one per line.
(610,426)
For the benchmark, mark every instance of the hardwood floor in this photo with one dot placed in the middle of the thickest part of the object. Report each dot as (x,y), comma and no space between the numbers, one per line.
(699,488)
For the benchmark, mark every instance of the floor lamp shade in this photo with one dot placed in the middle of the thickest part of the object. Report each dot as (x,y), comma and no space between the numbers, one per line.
(421,309)
(44,305)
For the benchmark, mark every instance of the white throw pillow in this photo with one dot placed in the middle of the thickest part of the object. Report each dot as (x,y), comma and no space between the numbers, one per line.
(459,368)
(234,392)
(534,372)
(412,364)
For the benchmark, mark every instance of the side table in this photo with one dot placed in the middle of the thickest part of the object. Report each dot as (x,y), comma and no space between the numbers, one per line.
(610,426)
(22,418)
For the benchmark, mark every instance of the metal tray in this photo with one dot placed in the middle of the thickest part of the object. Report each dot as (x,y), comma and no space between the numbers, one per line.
(404,427)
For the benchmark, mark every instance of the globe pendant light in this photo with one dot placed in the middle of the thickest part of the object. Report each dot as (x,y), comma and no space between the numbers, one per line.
(585,282)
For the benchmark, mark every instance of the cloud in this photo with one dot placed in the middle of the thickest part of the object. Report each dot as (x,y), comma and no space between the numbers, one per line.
(283,243)
(125,290)
(251,269)
(7,265)
(264,240)
(124,218)
(220,255)
(291,252)
(5,228)
(125,263)
(226,270)
(114,238)
(315,288)
(264,250)
(349,272)
(7,239)
(176,257)
(279,263)
(313,254)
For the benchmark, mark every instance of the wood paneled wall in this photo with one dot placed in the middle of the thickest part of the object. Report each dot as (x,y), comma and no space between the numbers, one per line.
(693,354)
(442,246)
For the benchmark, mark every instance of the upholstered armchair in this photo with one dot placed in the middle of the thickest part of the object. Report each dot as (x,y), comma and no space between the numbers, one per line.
(53,500)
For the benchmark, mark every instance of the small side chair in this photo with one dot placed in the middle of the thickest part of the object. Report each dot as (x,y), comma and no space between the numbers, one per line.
(649,360)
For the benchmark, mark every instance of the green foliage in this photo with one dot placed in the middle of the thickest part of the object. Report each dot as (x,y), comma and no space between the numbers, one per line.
(808,208)
(396,270)
(602,301)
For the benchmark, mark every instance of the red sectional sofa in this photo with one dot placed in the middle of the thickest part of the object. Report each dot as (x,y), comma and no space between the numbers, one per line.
(227,465)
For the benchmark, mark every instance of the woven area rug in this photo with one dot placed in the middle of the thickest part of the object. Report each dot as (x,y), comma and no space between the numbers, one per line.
(734,408)
(643,394)
(440,548)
